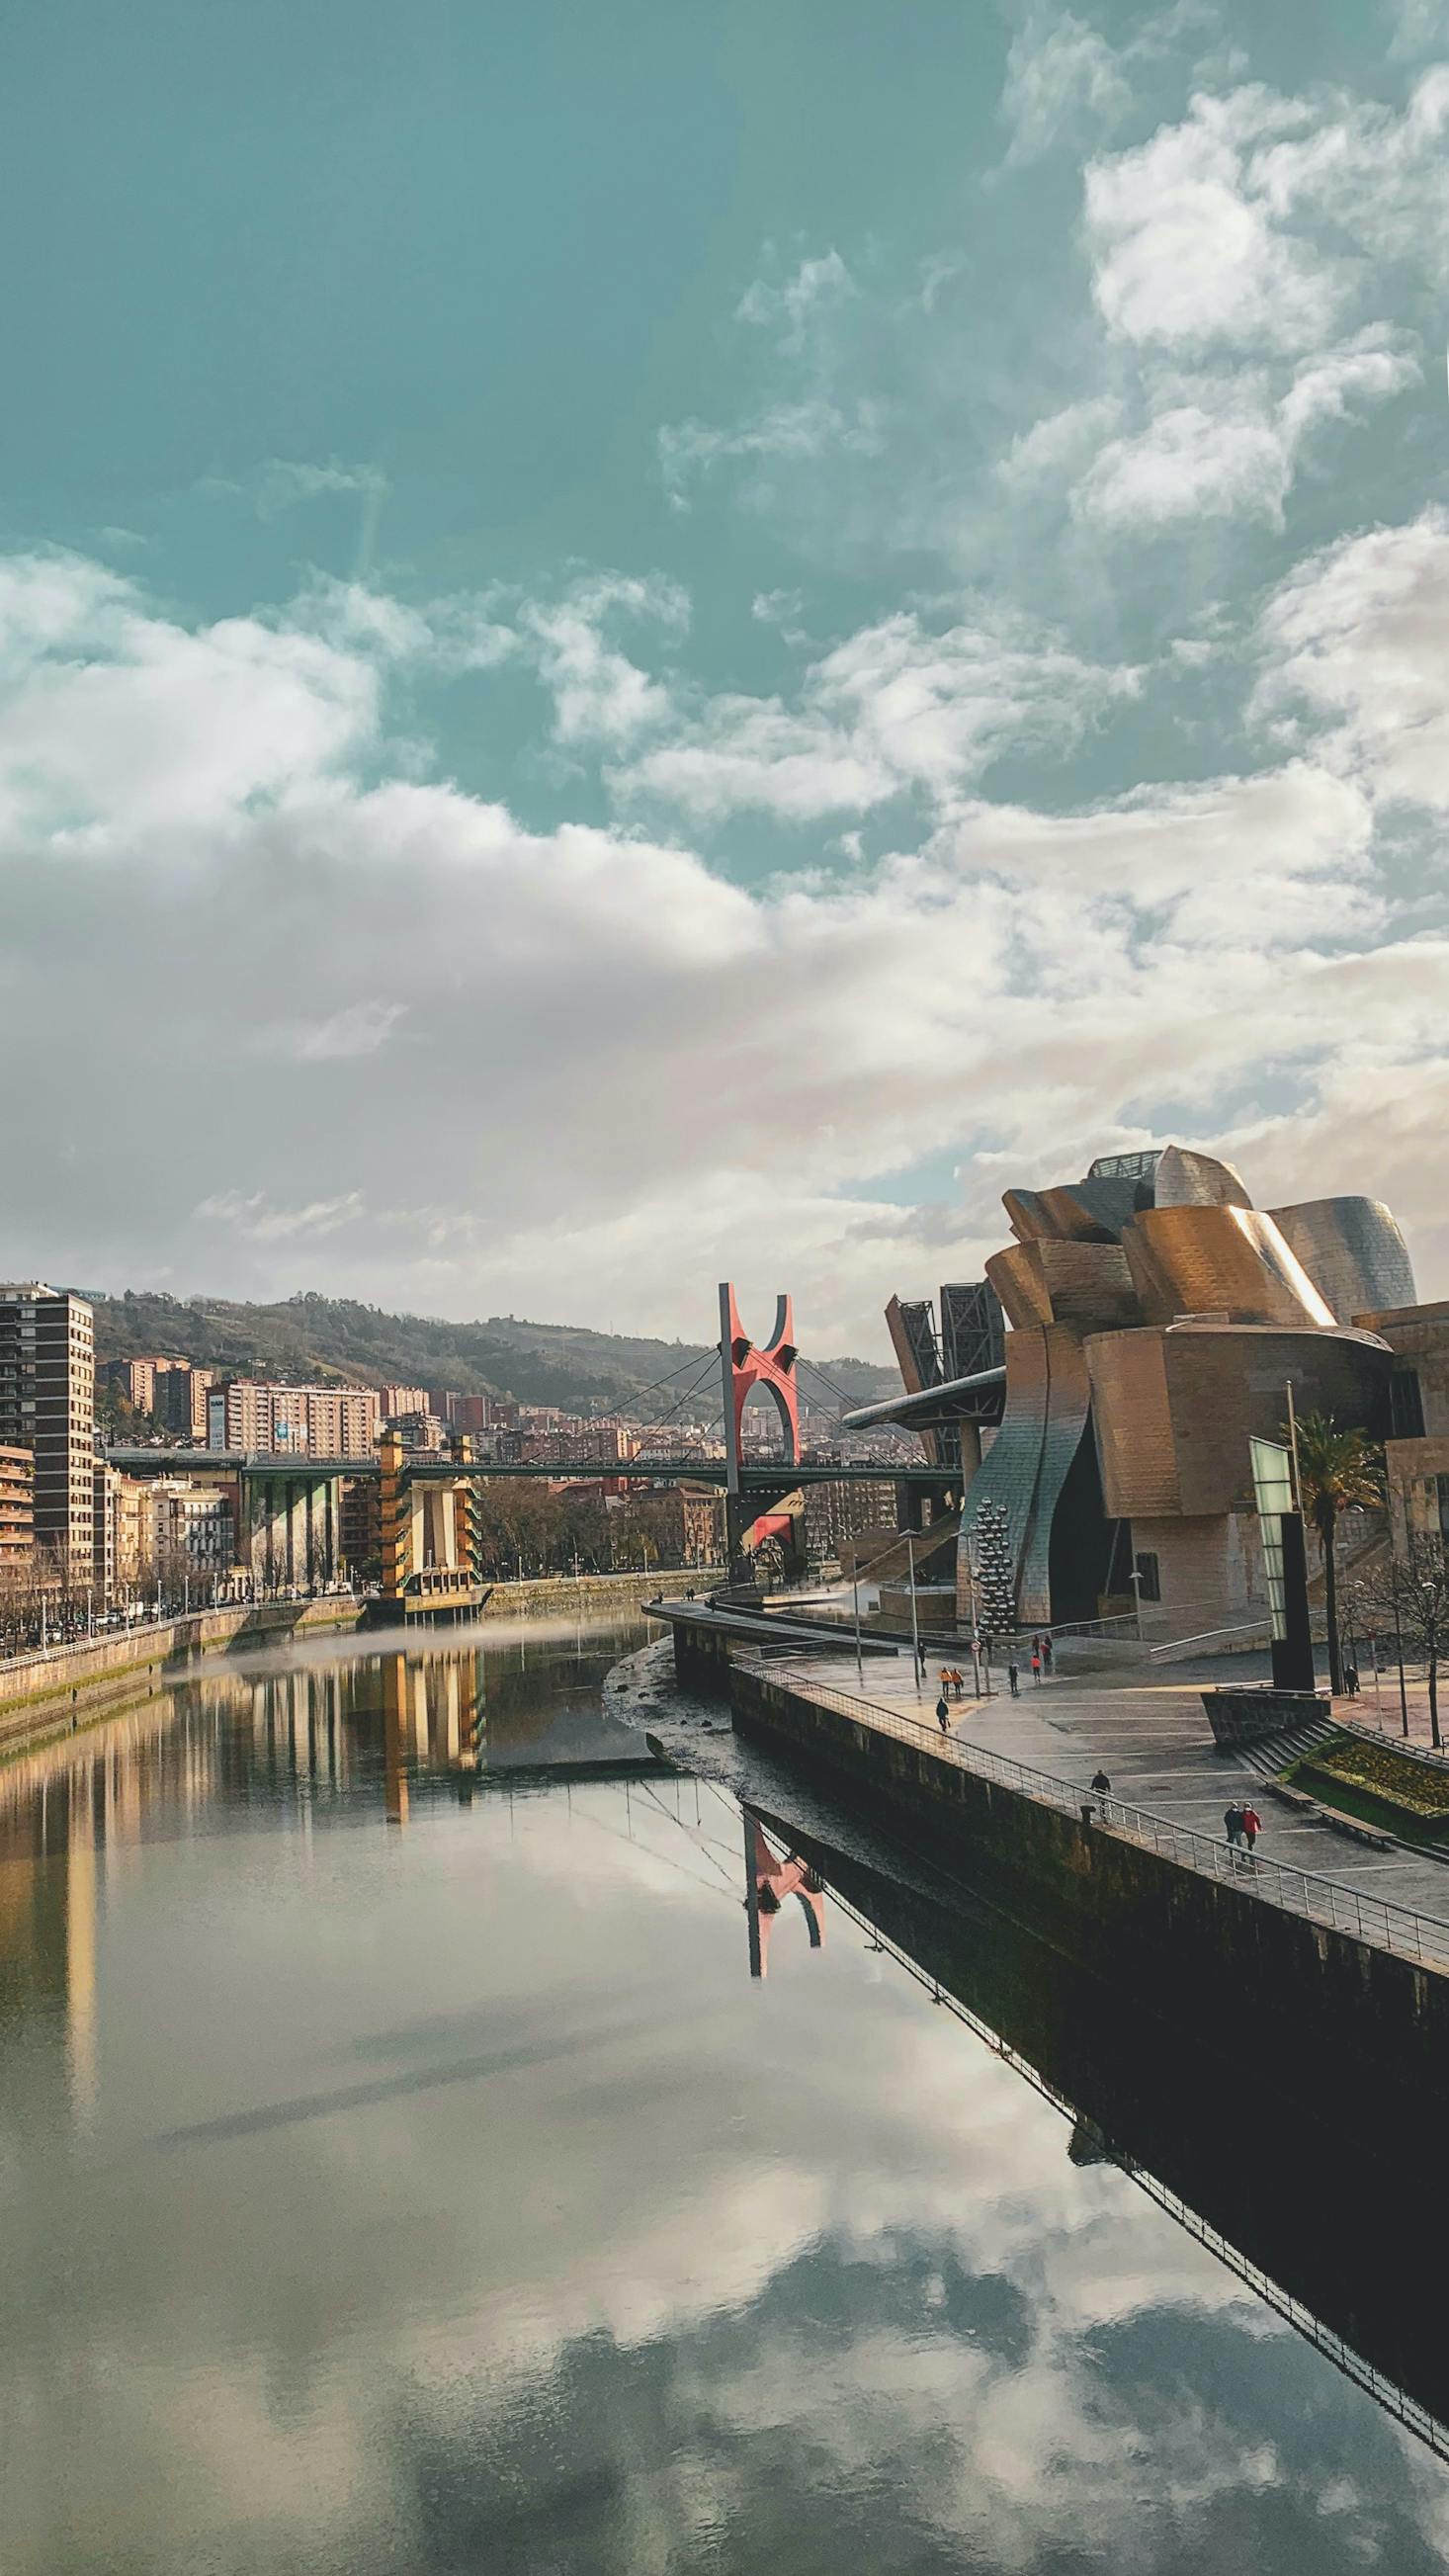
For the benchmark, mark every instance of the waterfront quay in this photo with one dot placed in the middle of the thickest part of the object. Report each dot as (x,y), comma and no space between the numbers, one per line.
(1318,1953)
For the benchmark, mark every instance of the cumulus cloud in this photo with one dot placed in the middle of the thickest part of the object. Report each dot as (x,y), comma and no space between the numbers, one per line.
(794,304)
(616,1056)
(1222,446)
(1355,641)
(1060,76)
(600,696)
(894,708)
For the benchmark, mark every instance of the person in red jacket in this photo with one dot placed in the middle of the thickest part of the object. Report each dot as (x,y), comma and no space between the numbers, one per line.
(1252,1826)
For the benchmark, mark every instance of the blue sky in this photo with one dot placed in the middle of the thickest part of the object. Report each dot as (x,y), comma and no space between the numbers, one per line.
(641,642)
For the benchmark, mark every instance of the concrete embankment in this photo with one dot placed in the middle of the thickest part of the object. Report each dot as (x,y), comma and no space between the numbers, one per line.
(589,1596)
(40,1692)
(1349,2027)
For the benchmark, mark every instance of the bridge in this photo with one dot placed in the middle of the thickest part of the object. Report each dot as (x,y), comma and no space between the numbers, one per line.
(757,1476)
(428,1505)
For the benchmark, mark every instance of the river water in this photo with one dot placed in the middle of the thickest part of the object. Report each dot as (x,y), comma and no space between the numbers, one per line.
(401,2170)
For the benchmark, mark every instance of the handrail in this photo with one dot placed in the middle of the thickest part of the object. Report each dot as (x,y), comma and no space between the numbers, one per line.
(1420,1937)
(1205,1636)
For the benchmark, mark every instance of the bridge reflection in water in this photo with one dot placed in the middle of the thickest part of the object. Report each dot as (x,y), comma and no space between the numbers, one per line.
(1348,2249)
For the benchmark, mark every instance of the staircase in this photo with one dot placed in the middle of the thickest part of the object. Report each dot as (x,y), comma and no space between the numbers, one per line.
(1278,1753)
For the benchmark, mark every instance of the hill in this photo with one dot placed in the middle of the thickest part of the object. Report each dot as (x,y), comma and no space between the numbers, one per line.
(334,1339)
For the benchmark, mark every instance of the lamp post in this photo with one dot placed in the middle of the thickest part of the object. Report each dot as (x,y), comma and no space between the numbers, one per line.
(915,1623)
(1135,1579)
(855,1595)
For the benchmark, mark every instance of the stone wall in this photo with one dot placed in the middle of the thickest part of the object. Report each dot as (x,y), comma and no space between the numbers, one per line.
(1347,2027)
(38,1691)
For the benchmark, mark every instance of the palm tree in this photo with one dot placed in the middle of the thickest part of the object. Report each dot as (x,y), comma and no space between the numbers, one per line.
(1338,1471)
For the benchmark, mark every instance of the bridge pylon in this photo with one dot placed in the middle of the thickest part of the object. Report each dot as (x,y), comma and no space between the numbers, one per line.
(744,1365)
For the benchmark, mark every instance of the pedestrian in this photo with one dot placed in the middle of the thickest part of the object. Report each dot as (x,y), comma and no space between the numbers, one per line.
(921,1651)
(1046,1654)
(1252,1826)
(1100,1781)
(1350,1680)
(1233,1819)
(1036,1659)
(943,1715)
(1013,1678)
(957,1683)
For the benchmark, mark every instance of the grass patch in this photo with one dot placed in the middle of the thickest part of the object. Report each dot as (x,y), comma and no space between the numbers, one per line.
(1378,1785)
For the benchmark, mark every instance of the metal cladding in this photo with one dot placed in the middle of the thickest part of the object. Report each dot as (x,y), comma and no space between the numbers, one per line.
(1353,1252)
(1048,1410)
(1188,1179)
(1228,1261)
(1018,1277)
(1152,1304)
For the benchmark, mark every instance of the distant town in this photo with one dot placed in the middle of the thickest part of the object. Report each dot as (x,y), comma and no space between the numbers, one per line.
(84,1544)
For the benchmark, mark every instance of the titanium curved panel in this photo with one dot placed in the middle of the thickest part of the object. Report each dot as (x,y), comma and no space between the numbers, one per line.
(1008,1472)
(1185,1178)
(1019,1280)
(1229,1261)
(1353,1252)
(1069,1405)
(1048,1405)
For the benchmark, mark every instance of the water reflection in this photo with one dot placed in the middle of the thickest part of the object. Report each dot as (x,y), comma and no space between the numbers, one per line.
(456,2196)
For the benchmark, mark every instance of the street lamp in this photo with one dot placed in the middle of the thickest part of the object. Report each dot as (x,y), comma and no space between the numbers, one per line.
(1135,1579)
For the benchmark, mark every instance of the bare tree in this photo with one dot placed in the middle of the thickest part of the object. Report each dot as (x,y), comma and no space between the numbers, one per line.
(1413,1591)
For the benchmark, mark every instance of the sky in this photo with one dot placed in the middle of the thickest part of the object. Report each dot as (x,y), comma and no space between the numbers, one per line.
(645,644)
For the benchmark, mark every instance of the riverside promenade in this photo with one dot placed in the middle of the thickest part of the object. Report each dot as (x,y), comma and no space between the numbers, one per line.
(1147,1729)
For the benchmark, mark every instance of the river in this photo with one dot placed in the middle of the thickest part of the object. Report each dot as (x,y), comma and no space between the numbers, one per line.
(402,2170)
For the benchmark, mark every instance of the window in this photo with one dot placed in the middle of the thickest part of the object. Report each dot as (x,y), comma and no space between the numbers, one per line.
(1406,1406)
(1150,1573)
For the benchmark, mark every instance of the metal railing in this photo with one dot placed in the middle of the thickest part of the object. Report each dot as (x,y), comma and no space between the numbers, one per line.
(1210,1636)
(1419,1937)
(1326,2339)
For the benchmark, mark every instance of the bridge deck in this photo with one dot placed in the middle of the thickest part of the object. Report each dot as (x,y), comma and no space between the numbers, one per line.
(425,1467)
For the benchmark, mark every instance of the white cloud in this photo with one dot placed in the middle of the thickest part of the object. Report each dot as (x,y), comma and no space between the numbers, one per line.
(1060,76)
(358,1029)
(790,433)
(794,305)
(1221,446)
(1249,224)
(252,1215)
(1418,27)
(600,695)
(1356,637)
(895,707)
(616,1055)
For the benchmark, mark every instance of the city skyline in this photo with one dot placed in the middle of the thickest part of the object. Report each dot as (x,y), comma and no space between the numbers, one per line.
(657,650)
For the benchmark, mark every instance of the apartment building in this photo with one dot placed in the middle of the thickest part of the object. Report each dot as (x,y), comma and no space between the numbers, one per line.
(17,1507)
(308,1421)
(194,1522)
(48,1405)
(395,1400)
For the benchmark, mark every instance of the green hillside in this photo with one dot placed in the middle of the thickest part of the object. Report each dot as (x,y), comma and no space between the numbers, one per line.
(332,1338)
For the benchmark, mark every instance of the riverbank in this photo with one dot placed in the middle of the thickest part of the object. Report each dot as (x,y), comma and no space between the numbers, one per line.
(58,1688)
(45,1693)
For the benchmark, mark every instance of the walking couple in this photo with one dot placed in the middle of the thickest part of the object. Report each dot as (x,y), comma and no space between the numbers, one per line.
(1244,1825)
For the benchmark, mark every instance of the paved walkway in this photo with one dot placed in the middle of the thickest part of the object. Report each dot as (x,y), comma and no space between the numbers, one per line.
(1149,1732)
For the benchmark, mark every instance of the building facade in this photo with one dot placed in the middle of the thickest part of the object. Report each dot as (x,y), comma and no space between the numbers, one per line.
(47,1405)
(305,1421)
(192,1525)
(1158,1320)
(17,1507)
